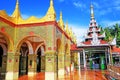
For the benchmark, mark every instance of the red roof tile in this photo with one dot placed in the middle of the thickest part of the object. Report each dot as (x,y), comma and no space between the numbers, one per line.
(87,42)
(103,42)
(74,47)
(115,49)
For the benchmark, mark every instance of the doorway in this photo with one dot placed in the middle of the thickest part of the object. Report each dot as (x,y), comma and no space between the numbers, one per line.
(23,62)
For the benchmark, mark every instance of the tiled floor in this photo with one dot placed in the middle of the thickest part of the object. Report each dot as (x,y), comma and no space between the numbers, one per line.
(76,75)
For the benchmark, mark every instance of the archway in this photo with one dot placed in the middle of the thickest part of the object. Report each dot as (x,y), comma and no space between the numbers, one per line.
(23,61)
(4,41)
(31,64)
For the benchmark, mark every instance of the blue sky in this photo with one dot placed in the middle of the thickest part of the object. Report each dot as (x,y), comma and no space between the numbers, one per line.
(75,12)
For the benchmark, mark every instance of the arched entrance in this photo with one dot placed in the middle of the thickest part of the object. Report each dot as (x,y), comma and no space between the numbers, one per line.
(3,54)
(40,59)
(32,46)
(23,62)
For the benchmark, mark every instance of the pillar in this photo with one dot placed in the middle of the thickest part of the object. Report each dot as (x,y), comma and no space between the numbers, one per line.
(16,64)
(109,55)
(61,66)
(4,63)
(84,59)
(79,60)
(42,63)
(72,61)
(32,64)
(67,64)
(12,66)
(68,58)
(106,57)
(61,59)
(50,66)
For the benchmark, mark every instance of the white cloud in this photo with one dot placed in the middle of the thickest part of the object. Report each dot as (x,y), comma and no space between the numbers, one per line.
(79,5)
(117,8)
(109,23)
(24,16)
(104,12)
(79,31)
(96,5)
(116,2)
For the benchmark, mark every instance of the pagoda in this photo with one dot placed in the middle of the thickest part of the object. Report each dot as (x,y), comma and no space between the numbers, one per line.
(93,36)
(95,48)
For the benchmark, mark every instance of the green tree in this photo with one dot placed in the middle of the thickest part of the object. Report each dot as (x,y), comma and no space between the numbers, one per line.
(117,33)
(112,32)
(108,34)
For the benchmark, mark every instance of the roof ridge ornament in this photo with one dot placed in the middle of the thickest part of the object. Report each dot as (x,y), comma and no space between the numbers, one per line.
(92,11)
(51,14)
(61,21)
(16,12)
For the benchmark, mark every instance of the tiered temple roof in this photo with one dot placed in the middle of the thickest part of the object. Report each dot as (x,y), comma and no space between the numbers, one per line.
(93,36)
(16,19)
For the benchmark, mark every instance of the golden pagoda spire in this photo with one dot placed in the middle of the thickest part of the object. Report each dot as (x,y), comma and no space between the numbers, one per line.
(71,33)
(51,2)
(92,11)
(16,12)
(66,28)
(61,21)
(51,12)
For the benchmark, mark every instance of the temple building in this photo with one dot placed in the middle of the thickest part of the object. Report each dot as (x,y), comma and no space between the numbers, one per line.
(29,46)
(97,52)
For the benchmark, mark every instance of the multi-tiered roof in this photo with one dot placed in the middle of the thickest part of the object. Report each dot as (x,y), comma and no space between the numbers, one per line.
(93,36)
(16,20)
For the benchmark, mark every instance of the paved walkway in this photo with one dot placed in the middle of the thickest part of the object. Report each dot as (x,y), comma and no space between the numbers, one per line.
(83,75)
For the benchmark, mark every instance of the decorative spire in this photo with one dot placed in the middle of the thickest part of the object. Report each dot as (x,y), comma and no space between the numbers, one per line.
(51,2)
(67,29)
(51,12)
(16,12)
(71,33)
(61,21)
(92,11)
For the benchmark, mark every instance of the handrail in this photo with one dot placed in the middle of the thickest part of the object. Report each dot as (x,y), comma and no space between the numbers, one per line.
(114,71)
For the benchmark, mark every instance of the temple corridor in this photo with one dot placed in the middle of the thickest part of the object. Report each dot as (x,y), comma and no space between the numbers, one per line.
(76,75)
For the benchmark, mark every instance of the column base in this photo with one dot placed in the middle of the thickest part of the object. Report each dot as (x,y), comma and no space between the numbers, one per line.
(67,70)
(11,76)
(61,74)
(30,74)
(50,76)
(85,68)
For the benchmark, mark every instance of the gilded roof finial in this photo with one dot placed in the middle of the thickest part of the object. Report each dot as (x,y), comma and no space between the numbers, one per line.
(51,12)
(66,28)
(16,12)
(51,2)
(61,15)
(92,11)
(71,33)
(61,21)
